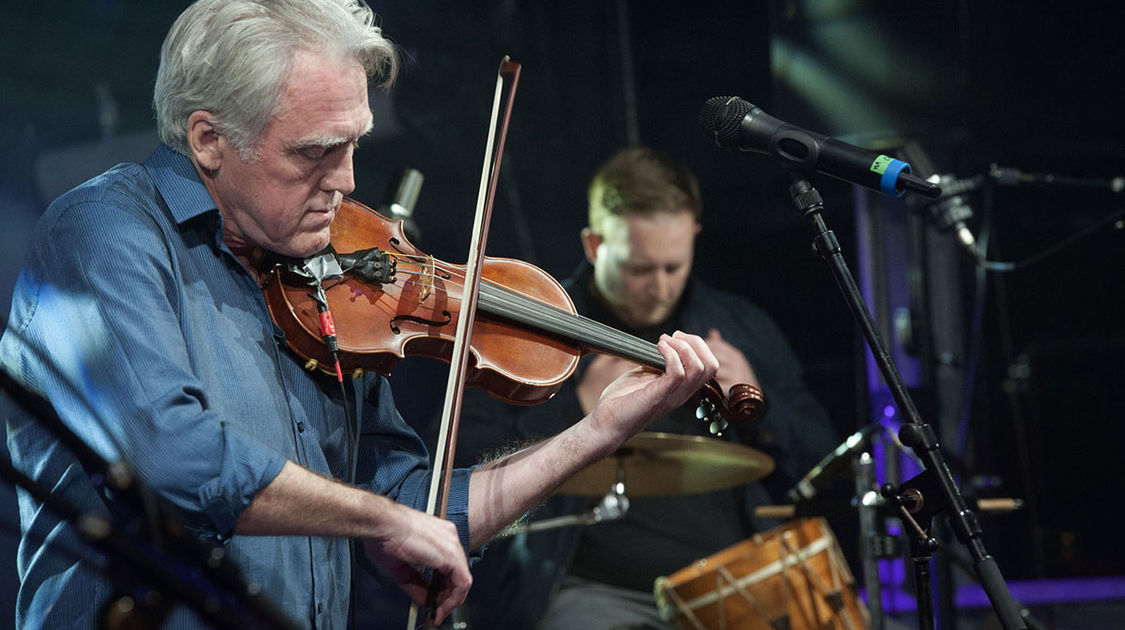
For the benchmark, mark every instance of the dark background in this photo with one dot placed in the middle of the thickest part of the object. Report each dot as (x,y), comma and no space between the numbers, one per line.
(1030,85)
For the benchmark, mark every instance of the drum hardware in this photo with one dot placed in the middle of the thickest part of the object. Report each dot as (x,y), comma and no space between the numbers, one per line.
(613,506)
(872,543)
(654,464)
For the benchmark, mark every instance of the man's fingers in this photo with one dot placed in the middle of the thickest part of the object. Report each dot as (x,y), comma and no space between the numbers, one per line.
(669,349)
(453,583)
(698,362)
(411,582)
(414,542)
(707,359)
(688,361)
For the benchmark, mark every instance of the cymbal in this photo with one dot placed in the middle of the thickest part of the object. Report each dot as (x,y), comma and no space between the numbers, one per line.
(656,464)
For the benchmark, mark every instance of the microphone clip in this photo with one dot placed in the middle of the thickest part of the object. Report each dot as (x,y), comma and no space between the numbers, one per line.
(951,211)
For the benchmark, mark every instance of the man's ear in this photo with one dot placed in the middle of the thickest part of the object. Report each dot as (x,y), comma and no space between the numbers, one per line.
(590,243)
(204,140)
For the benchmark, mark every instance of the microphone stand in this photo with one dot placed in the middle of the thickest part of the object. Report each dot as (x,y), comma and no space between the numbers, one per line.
(940,490)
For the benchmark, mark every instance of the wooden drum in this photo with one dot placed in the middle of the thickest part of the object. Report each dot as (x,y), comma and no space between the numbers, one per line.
(792,577)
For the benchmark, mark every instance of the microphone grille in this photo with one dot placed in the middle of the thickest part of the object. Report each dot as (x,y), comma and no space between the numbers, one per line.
(721,117)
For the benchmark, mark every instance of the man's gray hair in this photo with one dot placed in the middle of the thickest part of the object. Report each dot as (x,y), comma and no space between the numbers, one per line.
(229,57)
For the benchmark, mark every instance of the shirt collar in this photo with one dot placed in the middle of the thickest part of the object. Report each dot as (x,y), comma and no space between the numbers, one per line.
(178,182)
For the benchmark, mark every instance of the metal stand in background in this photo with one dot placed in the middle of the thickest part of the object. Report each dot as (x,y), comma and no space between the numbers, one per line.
(612,506)
(870,540)
(916,435)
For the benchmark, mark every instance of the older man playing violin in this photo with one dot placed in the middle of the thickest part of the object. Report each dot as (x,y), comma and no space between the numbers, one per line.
(139,316)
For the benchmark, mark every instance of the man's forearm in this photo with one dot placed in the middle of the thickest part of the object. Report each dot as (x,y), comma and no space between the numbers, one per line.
(502,490)
(300,502)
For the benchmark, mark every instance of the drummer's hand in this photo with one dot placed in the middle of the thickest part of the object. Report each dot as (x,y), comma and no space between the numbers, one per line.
(409,539)
(603,370)
(641,395)
(733,366)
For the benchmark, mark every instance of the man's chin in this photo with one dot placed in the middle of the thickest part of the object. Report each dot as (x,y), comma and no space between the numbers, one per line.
(305,246)
(649,318)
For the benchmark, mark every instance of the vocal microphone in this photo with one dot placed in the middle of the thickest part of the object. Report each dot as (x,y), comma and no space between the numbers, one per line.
(734,123)
(401,201)
(832,466)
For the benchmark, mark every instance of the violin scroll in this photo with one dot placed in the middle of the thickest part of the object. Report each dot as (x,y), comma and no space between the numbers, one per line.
(745,404)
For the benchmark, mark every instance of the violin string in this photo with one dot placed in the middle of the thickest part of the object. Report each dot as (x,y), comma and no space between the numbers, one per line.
(503,301)
(578,327)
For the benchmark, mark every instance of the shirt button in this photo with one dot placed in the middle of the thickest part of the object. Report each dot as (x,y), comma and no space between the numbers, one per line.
(300,427)
(319,607)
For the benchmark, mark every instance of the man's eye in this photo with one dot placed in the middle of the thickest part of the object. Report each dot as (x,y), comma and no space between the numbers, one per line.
(313,153)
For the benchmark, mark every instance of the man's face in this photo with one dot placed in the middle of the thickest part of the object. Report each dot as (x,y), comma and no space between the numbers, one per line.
(285,198)
(642,262)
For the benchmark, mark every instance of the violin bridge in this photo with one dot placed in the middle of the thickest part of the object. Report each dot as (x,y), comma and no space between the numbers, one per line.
(427,280)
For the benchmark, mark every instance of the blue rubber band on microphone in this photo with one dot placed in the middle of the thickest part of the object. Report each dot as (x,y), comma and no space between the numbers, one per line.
(890,178)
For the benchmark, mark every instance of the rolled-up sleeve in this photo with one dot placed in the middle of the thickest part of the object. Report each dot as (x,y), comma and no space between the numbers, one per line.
(101,336)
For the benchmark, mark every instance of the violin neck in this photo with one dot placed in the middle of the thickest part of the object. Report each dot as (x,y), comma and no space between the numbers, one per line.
(590,335)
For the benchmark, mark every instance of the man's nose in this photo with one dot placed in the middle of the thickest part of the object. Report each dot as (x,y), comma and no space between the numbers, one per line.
(340,175)
(660,285)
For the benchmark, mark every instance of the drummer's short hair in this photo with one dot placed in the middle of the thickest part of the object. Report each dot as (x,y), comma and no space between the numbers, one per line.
(641,180)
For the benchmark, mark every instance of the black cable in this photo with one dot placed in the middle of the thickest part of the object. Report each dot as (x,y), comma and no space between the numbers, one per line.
(1006,267)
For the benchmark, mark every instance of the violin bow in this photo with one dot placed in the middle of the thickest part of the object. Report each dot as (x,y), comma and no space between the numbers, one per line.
(437,502)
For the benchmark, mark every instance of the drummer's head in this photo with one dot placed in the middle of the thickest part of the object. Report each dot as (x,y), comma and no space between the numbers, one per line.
(644,215)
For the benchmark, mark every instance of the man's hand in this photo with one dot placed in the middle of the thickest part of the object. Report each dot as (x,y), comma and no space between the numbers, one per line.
(502,489)
(409,540)
(733,366)
(299,502)
(641,395)
(603,370)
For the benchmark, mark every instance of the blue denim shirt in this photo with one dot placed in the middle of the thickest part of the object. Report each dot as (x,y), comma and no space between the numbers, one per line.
(155,346)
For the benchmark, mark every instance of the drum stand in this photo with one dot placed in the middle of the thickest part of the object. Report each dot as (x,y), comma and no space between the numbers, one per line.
(935,488)
(613,506)
(870,540)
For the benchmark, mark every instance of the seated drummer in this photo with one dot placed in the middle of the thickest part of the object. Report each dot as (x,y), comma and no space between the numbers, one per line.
(644,211)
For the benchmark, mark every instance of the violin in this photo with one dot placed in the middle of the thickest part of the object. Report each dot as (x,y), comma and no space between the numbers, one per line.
(390,300)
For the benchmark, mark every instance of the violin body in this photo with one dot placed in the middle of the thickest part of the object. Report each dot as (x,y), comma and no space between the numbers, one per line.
(379,324)
(526,340)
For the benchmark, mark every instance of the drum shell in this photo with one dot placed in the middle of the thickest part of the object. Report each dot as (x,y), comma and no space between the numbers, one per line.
(702,596)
